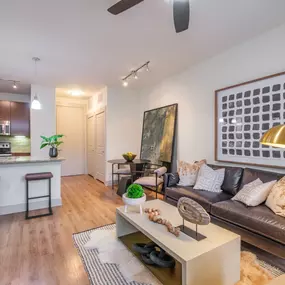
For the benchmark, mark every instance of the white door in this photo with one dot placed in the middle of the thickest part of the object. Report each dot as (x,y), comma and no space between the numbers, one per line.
(70,123)
(91,146)
(100,146)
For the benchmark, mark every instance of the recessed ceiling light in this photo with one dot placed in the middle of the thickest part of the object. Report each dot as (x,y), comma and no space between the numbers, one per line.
(75,92)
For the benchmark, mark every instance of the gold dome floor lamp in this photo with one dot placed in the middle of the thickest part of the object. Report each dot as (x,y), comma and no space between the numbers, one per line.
(274,137)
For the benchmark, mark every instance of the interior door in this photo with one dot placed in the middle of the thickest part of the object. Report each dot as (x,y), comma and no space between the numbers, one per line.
(70,123)
(100,146)
(91,146)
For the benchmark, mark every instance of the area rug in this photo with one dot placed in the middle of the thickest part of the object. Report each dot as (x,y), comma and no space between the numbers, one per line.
(254,271)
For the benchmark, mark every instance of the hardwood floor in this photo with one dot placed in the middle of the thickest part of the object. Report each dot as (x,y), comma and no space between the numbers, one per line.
(40,251)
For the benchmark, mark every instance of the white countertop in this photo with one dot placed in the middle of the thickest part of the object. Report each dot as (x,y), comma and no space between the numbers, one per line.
(27,159)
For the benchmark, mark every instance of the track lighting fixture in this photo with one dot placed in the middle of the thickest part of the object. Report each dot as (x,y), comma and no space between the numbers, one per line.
(13,81)
(125,83)
(134,73)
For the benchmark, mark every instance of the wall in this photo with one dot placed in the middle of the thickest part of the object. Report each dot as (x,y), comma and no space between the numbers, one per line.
(15,97)
(43,122)
(97,101)
(123,130)
(194,89)
(18,144)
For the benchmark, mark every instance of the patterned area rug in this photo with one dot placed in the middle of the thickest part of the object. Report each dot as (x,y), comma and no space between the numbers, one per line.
(106,273)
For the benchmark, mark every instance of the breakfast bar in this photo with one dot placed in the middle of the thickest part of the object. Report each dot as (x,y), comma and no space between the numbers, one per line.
(13,184)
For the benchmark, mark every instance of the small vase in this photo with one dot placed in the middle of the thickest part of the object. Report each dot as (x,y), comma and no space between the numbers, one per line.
(53,152)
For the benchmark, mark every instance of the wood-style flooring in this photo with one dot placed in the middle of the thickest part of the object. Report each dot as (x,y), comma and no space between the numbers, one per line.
(40,251)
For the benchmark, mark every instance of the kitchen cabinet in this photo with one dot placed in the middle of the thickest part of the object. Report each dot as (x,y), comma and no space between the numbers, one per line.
(4,111)
(20,119)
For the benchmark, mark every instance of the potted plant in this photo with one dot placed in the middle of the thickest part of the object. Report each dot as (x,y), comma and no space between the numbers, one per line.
(134,196)
(53,142)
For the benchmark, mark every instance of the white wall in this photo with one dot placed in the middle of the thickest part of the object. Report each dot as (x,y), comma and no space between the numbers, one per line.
(43,122)
(15,97)
(123,130)
(193,89)
(97,101)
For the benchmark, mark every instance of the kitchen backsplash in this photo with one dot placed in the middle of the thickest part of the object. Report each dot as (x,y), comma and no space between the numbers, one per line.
(18,144)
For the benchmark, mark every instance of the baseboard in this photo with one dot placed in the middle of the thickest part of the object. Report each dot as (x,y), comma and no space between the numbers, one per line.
(109,183)
(34,205)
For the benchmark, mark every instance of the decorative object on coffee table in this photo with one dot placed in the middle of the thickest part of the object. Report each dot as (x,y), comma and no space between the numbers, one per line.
(154,216)
(194,213)
(135,196)
(129,156)
(151,256)
(245,112)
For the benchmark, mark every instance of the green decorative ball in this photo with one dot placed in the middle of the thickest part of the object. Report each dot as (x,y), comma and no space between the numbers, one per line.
(135,191)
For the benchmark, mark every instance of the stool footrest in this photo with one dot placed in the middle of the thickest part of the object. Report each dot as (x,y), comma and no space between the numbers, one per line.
(39,216)
(38,197)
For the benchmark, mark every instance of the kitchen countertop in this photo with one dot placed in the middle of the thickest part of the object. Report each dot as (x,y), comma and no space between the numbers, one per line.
(27,159)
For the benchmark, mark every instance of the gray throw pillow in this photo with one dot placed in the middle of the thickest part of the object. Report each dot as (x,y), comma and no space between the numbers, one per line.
(209,179)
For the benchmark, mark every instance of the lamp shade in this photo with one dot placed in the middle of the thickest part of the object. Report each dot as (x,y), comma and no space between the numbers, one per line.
(36,105)
(274,137)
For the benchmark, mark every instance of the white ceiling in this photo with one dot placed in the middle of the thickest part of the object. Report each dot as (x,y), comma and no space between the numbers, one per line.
(79,42)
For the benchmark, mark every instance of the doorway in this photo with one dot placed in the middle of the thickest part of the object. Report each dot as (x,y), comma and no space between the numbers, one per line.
(70,122)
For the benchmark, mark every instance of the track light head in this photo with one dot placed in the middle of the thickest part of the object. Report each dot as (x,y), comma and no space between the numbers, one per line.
(125,83)
(14,85)
(136,75)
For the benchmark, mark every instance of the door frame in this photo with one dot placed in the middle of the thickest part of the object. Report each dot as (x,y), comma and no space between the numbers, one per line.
(88,116)
(84,107)
(97,112)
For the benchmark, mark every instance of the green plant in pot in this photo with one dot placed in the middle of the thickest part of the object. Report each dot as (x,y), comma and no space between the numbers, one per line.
(134,196)
(53,142)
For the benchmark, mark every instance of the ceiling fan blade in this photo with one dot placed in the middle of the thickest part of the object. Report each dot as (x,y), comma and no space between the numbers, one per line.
(123,5)
(181,15)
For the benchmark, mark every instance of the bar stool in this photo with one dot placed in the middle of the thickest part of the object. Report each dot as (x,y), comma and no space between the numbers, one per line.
(34,177)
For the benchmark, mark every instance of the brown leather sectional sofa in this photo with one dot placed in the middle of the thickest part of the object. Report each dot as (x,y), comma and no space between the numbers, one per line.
(259,220)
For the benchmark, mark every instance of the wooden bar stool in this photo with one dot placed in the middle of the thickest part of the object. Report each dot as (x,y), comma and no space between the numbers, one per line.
(33,177)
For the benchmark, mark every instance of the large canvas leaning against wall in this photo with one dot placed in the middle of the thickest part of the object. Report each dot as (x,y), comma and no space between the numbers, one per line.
(158,134)
(244,113)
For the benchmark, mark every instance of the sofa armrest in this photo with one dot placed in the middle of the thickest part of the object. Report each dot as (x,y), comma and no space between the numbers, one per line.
(170,180)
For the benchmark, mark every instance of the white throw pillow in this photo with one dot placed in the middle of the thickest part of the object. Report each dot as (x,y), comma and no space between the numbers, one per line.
(276,199)
(254,193)
(209,179)
(188,172)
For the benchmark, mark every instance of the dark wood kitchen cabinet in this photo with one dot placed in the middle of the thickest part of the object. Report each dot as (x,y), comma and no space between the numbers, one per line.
(4,111)
(20,119)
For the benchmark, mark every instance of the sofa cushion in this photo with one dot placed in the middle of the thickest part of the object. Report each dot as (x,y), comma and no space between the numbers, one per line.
(204,198)
(209,179)
(232,180)
(258,219)
(250,175)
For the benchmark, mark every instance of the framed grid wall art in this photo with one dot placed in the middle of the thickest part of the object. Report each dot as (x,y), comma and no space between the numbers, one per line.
(243,113)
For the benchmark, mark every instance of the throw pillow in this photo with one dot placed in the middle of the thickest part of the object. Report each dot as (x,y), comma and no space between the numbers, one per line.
(276,199)
(209,179)
(188,172)
(254,193)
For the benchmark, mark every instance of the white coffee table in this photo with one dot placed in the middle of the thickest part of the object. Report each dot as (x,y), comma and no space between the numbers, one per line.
(214,260)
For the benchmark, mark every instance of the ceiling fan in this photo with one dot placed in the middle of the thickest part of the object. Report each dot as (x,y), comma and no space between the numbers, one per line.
(181,11)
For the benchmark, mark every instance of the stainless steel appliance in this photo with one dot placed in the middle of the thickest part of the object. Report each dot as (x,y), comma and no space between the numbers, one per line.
(4,128)
(5,149)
